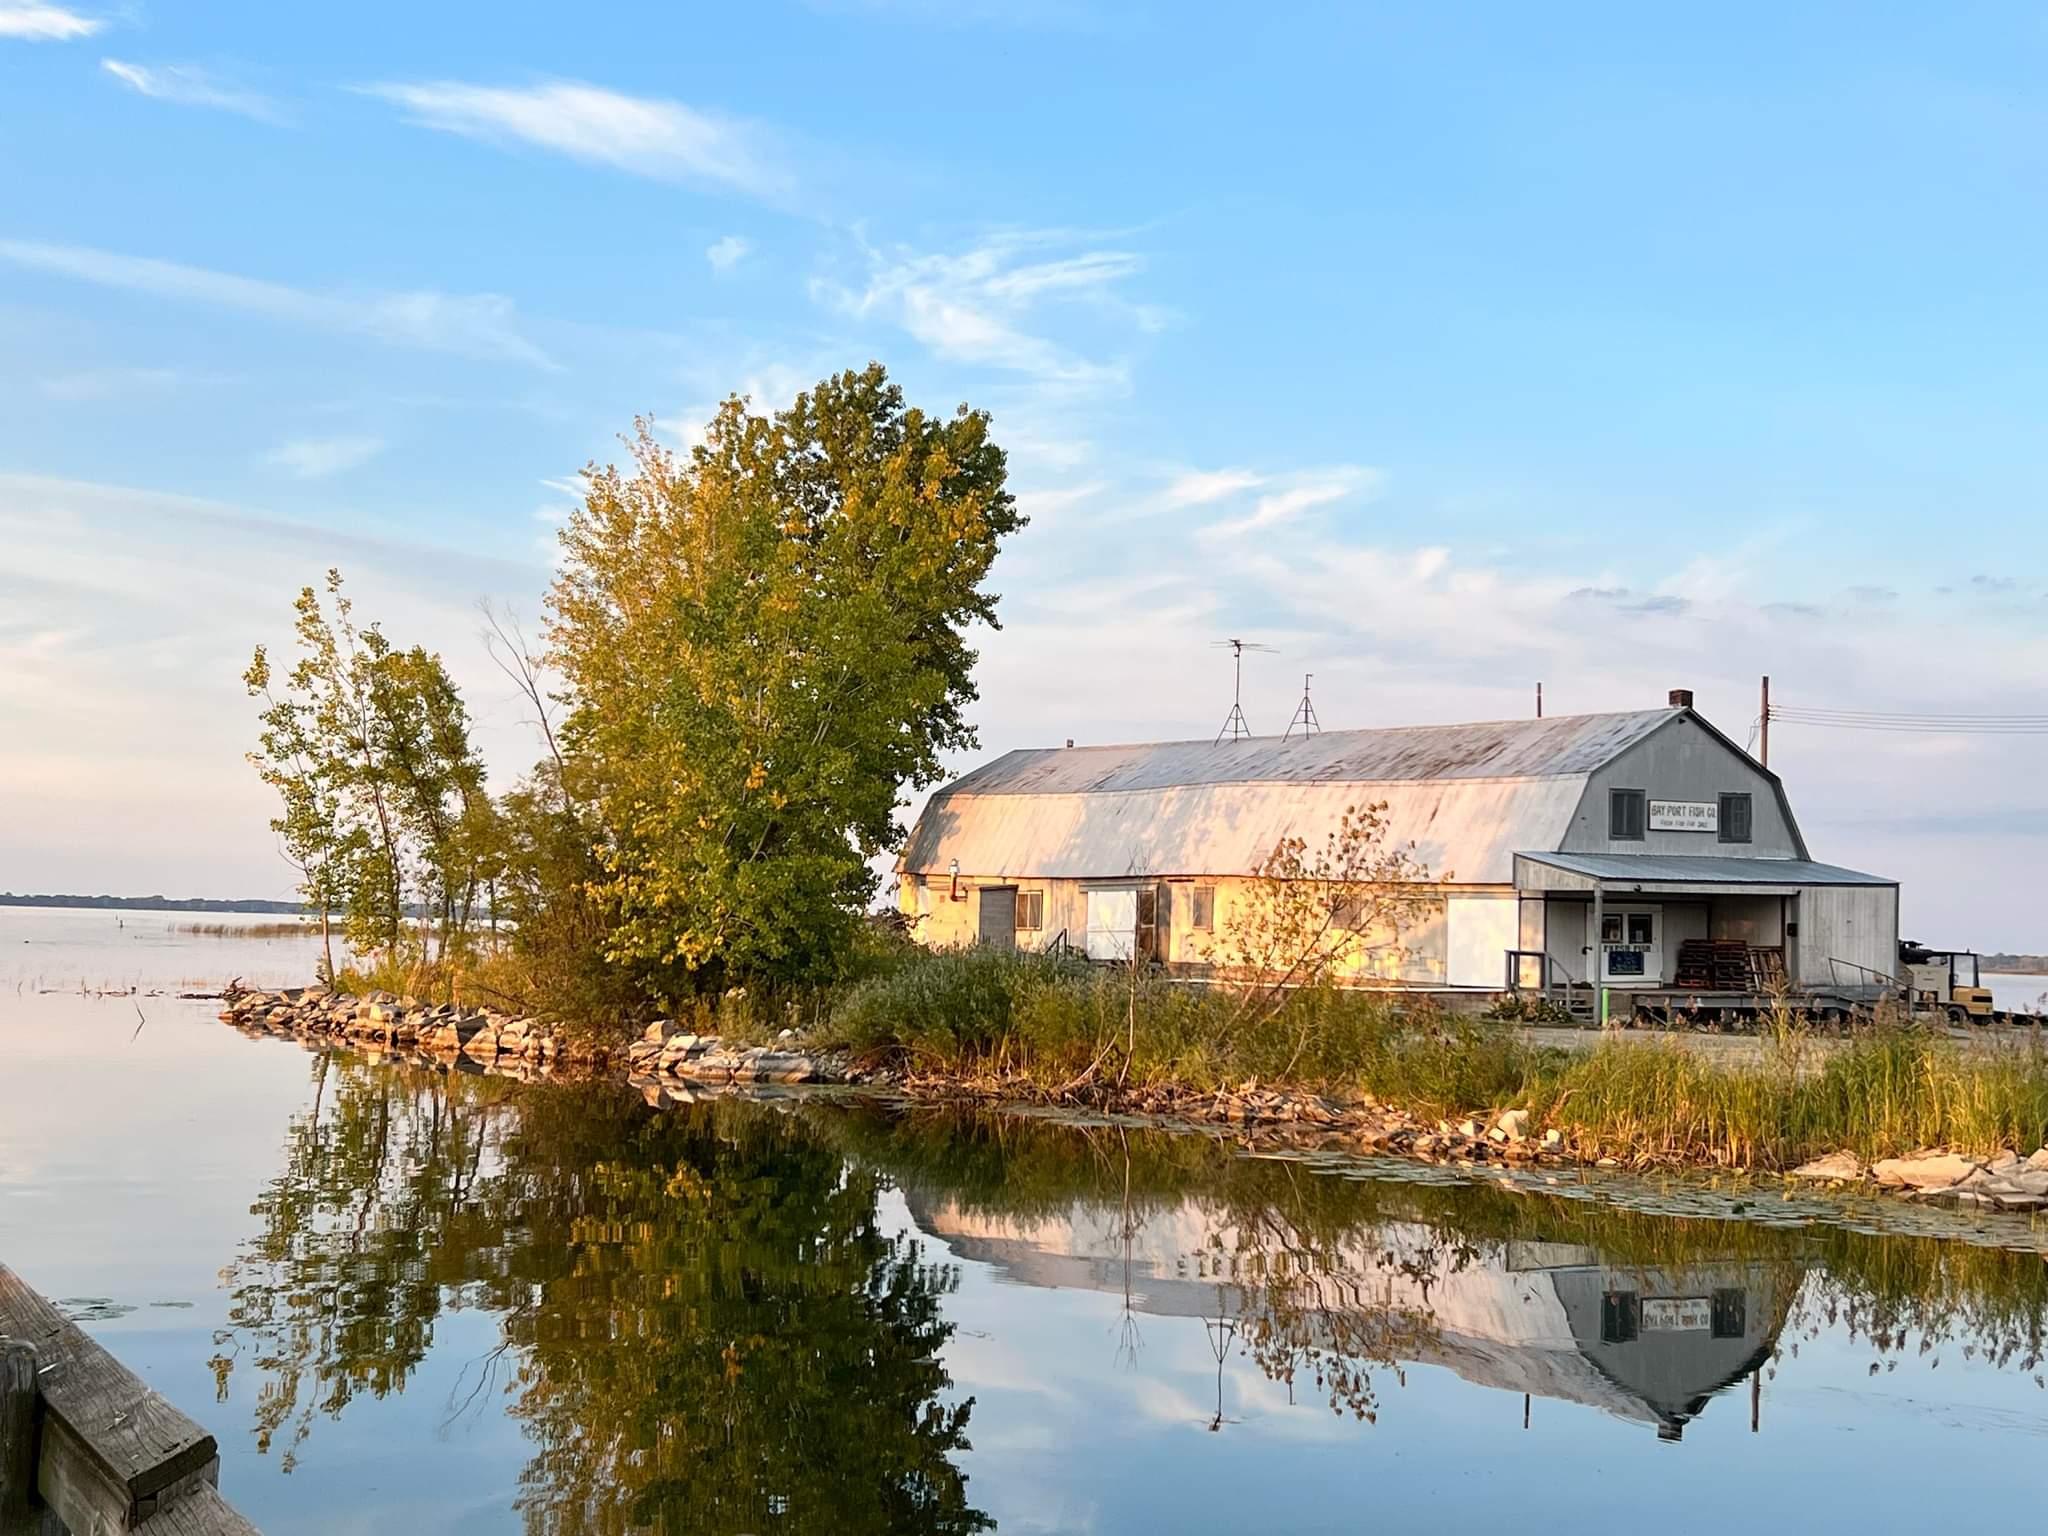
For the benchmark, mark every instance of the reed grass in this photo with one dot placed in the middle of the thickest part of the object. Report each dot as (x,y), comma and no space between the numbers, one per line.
(982,1014)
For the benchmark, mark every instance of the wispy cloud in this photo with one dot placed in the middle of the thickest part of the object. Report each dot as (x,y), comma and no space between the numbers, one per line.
(315,458)
(46,23)
(727,253)
(974,306)
(189,86)
(473,325)
(1200,487)
(646,135)
(1300,493)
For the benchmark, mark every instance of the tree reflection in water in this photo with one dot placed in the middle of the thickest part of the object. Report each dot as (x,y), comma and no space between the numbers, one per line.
(705,1325)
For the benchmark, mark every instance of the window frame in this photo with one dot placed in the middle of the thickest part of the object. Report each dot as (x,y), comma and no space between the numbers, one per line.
(1747,800)
(1034,903)
(1200,896)
(1640,799)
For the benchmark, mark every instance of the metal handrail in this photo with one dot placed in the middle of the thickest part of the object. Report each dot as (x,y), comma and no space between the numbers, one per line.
(1882,978)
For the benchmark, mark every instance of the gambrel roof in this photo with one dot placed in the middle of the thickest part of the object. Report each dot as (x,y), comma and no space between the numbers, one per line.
(1468,796)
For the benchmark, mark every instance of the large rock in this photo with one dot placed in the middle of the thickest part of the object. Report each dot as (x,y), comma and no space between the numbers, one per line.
(1513,1125)
(1836,1165)
(1929,1170)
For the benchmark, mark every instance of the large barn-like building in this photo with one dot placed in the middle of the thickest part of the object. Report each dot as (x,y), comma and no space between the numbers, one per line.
(1553,841)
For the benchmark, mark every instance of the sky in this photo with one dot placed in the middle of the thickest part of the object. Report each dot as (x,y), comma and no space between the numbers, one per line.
(1445,350)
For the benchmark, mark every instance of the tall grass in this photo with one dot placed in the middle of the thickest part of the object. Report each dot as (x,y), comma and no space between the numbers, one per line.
(1047,1021)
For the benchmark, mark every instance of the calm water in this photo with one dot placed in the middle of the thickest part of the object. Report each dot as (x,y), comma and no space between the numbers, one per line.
(406,1300)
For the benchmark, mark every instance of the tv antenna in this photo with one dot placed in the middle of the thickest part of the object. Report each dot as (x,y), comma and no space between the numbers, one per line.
(1234,726)
(1304,712)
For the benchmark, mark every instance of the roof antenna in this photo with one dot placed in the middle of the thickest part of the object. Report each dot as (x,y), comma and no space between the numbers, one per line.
(1234,725)
(1304,713)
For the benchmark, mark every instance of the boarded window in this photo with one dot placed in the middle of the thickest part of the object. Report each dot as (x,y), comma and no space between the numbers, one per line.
(1030,911)
(1735,814)
(1202,908)
(1627,814)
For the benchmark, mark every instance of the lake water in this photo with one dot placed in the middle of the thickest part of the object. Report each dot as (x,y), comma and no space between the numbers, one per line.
(409,1300)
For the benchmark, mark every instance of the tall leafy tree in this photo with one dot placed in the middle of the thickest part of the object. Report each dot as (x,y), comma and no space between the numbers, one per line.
(764,641)
(368,747)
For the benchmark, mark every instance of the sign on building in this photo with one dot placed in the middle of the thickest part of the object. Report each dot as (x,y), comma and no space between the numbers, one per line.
(1685,816)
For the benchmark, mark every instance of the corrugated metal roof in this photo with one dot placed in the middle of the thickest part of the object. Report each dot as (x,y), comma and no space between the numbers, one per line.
(1498,749)
(1706,869)
(1467,830)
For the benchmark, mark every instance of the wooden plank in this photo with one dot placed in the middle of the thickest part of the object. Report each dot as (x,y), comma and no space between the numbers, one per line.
(112,1448)
(17,1431)
(203,1512)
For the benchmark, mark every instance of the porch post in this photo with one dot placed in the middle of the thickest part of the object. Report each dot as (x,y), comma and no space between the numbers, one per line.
(1595,970)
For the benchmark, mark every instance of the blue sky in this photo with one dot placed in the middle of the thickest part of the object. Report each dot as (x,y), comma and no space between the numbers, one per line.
(1444,351)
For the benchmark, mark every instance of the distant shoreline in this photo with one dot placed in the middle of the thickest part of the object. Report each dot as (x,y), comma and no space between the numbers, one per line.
(155,903)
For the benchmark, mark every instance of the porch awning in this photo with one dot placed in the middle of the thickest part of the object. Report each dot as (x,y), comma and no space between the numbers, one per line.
(1679,872)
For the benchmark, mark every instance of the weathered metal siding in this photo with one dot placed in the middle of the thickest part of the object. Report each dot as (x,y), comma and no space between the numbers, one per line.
(1464,830)
(1684,761)
(1857,926)
(1563,745)
(1758,921)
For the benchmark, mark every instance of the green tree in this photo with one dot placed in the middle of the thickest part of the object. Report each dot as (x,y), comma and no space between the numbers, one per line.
(369,748)
(764,641)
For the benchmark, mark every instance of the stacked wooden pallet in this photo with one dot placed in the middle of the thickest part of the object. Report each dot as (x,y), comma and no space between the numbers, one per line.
(1767,970)
(1713,965)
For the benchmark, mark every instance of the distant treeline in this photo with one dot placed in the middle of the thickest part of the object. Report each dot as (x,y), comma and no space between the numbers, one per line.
(2017,965)
(151,903)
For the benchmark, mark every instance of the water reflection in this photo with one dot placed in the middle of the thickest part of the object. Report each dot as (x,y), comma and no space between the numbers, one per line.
(705,1326)
(712,1317)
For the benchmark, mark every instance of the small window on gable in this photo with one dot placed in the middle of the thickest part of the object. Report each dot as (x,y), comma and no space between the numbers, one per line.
(1735,818)
(1202,908)
(1627,815)
(1030,911)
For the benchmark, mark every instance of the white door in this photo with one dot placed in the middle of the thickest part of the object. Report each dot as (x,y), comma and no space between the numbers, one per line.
(1632,946)
(1482,929)
(1112,920)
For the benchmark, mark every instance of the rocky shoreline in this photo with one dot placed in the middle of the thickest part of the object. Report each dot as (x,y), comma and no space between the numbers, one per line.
(670,1063)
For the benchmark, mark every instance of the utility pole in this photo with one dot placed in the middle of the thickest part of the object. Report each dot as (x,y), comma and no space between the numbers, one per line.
(1765,722)
(1539,701)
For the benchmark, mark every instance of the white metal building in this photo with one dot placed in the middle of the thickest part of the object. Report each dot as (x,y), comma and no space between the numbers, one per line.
(1555,842)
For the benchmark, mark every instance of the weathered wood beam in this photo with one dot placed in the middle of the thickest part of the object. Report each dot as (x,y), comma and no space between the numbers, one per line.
(17,1431)
(111,1452)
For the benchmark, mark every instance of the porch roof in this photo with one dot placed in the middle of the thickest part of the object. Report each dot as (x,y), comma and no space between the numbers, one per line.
(1666,870)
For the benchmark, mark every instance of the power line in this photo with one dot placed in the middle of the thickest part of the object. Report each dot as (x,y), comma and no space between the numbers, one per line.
(1910,722)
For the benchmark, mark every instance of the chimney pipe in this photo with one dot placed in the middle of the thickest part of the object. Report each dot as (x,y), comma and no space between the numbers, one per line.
(1681,698)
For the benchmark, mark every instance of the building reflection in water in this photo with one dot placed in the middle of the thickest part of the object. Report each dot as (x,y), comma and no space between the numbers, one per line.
(1527,1318)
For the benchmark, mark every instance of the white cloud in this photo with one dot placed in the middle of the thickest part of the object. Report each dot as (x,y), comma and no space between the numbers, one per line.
(46,23)
(474,325)
(126,618)
(726,253)
(971,306)
(648,136)
(315,458)
(1317,488)
(189,86)
(1199,487)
